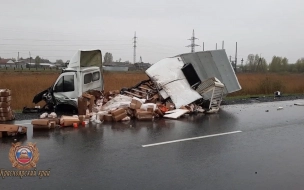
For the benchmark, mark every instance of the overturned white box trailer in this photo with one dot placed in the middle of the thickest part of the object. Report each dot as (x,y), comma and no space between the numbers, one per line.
(182,77)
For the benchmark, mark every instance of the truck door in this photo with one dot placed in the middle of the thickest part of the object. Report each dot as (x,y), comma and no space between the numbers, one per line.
(65,88)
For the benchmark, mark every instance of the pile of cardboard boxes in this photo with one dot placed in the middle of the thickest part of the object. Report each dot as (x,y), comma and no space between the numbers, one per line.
(6,113)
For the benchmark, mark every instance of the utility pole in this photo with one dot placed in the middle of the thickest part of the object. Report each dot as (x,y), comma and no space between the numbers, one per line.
(18,56)
(203,46)
(216,46)
(230,58)
(235,61)
(134,46)
(192,45)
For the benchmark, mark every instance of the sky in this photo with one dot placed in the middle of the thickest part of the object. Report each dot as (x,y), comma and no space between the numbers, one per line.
(57,29)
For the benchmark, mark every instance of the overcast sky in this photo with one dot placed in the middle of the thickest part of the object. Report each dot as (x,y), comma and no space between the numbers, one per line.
(55,29)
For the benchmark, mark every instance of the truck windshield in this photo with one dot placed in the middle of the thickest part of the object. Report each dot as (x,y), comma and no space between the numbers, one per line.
(65,84)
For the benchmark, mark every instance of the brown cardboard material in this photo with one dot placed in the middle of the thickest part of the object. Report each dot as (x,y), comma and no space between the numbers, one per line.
(118,112)
(133,106)
(9,118)
(5,99)
(68,120)
(120,116)
(5,104)
(82,105)
(91,103)
(40,122)
(56,120)
(7,114)
(150,109)
(5,110)
(101,117)
(5,92)
(108,117)
(143,112)
(11,129)
(145,117)
(81,118)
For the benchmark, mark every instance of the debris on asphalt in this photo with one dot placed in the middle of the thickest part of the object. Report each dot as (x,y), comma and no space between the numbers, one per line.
(277,94)
(11,130)
(280,108)
(299,104)
(6,113)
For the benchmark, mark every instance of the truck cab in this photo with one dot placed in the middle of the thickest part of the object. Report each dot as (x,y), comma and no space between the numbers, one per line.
(83,73)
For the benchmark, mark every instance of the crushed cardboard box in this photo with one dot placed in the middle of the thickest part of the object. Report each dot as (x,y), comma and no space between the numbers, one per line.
(11,130)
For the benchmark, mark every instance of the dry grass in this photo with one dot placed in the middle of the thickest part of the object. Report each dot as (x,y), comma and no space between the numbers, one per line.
(258,83)
(25,85)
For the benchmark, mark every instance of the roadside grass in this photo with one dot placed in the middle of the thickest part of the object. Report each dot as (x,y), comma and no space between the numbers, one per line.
(25,85)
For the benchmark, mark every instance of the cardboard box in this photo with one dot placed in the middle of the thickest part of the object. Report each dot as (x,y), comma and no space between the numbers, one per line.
(145,117)
(11,129)
(118,112)
(8,118)
(81,118)
(82,105)
(5,104)
(5,92)
(5,99)
(43,124)
(56,120)
(135,104)
(108,117)
(6,114)
(40,122)
(5,110)
(120,116)
(143,112)
(68,120)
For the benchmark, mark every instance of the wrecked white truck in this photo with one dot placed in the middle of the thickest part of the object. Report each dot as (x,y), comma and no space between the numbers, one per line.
(83,73)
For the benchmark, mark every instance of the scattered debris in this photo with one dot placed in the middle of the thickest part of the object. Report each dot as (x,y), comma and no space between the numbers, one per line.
(299,104)
(277,94)
(267,111)
(280,108)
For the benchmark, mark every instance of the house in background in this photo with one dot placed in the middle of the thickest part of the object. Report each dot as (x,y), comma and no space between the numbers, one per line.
(7,63)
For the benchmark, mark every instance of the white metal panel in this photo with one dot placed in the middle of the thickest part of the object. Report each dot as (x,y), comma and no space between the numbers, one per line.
(86,58)
(213,64)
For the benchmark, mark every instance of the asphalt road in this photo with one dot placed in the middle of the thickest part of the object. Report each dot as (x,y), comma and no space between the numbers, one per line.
(241,147)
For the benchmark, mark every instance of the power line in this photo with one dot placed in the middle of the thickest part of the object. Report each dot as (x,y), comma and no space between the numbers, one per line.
(192,45)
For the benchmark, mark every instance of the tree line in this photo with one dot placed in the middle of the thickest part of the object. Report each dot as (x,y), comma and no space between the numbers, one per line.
(256,63)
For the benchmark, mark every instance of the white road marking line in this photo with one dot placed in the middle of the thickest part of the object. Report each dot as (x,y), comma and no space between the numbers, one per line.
(193,138)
